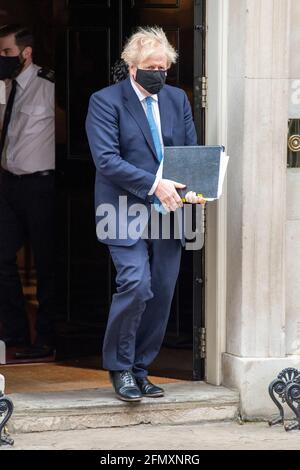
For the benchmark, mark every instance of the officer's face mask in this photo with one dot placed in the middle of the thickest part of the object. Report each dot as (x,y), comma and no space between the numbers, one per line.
(151,80)
(10,67)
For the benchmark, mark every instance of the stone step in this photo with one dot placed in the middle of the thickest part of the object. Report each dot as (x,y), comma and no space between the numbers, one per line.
(184,402)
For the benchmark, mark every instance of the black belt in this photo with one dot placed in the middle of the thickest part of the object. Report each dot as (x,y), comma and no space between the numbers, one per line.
(28,175)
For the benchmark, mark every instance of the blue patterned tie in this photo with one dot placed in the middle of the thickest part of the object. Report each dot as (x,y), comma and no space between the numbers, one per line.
(159,154)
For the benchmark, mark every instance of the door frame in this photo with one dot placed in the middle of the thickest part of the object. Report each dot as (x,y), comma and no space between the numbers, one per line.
(199,362)
(216,228)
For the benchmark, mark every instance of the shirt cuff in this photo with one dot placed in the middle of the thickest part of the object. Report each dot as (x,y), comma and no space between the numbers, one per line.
(154,186)
(157,180)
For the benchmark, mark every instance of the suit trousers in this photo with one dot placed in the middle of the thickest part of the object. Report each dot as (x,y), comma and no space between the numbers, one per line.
(146,277)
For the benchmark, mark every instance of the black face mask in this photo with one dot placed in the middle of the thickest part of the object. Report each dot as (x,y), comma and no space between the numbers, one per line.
(151,80)
(10,67)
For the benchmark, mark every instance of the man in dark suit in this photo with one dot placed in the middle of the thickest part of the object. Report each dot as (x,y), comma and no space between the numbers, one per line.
(128,125)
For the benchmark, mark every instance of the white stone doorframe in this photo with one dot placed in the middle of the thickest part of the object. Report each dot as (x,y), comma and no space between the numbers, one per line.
(246,326)
(215,243)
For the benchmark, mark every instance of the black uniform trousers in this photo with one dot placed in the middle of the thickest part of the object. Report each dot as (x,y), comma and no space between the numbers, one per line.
(27,213)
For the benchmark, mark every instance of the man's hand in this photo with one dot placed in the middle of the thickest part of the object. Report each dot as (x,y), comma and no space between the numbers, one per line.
(167,194)
(192,198)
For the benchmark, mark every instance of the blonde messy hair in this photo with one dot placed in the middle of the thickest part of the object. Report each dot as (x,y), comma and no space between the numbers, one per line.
(146,42)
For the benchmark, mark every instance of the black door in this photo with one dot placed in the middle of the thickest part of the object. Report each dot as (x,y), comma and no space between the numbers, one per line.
(89,39)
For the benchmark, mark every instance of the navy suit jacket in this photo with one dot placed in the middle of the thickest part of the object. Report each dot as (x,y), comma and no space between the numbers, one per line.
(123,149)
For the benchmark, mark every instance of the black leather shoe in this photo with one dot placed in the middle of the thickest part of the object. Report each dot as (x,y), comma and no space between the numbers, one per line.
(35,352)
(148,389)
(125,385)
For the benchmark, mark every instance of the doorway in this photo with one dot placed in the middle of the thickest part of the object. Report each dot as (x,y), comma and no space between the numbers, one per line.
(89,37)
(81,40)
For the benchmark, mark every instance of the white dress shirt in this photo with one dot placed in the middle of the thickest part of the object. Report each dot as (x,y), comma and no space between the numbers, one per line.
(30,140)
(155,109)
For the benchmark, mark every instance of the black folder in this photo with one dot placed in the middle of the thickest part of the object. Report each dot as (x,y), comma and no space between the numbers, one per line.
(198,167)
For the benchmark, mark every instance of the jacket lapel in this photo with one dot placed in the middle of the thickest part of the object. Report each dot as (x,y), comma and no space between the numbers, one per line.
(165,107)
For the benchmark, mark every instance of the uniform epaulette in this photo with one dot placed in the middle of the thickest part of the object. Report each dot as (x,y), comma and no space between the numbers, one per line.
(47,73)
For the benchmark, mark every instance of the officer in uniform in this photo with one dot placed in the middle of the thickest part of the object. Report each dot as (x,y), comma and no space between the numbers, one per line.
(27,149)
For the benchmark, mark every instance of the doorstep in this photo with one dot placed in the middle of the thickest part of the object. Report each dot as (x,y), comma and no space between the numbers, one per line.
(183,403)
